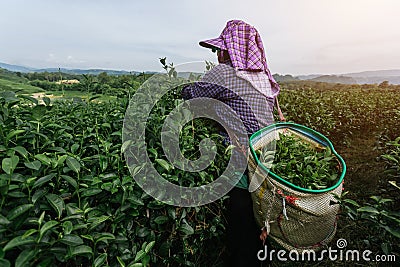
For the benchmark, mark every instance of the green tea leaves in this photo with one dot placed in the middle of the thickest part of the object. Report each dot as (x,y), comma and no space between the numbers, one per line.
(18,211)
(43,159)
(18,241)
(35,165)
(9,164)
(72,240)
(43,180)
(300,163)
(73,164)
(56,202)
(163,163)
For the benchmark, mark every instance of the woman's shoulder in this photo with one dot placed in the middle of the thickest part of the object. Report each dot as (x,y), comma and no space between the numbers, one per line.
(223,67)
(220,70)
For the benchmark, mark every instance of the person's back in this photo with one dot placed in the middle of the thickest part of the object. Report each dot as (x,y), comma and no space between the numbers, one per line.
(254,108)
(242,81)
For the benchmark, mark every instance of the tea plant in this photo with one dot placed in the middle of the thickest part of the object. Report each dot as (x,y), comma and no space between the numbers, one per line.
(345,113)
(379,220)
(392,158)
(67,198)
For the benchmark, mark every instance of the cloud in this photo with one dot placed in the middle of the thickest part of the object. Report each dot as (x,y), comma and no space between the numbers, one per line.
(64,61)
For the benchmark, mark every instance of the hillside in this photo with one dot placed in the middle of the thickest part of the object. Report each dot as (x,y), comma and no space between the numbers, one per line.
(11,81)
(11,76)
(86,71)
(377,79)
(285,78)
(374,73)
(364,77)
(334,79)
(15,68)
(6,85)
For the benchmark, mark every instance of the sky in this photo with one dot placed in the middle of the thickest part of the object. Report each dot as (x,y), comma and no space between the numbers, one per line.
(299,36)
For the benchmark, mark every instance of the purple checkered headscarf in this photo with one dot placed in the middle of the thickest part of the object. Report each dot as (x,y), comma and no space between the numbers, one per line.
(245,49)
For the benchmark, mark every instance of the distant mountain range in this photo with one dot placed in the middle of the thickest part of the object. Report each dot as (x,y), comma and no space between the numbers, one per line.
(369,77)
(17,68)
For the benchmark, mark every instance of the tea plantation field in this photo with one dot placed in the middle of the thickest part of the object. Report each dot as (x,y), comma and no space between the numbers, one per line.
(68,199)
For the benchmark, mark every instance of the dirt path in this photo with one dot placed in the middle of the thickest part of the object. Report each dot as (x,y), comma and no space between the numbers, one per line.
(41,95)
(364,171)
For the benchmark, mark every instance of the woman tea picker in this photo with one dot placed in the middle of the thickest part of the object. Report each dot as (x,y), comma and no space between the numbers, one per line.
(242,81)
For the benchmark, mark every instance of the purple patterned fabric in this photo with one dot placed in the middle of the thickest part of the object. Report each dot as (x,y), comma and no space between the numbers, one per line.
(245,49)
(221,83)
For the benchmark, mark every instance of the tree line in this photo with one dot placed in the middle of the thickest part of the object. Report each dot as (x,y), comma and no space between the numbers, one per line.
(102,83)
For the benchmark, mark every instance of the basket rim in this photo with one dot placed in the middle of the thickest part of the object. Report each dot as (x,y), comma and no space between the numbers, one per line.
(305,131)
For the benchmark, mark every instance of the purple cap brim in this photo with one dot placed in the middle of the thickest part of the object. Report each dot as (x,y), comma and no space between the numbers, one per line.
(212,43)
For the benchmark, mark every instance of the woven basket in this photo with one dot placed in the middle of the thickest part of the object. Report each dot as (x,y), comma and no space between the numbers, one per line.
(297,218)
